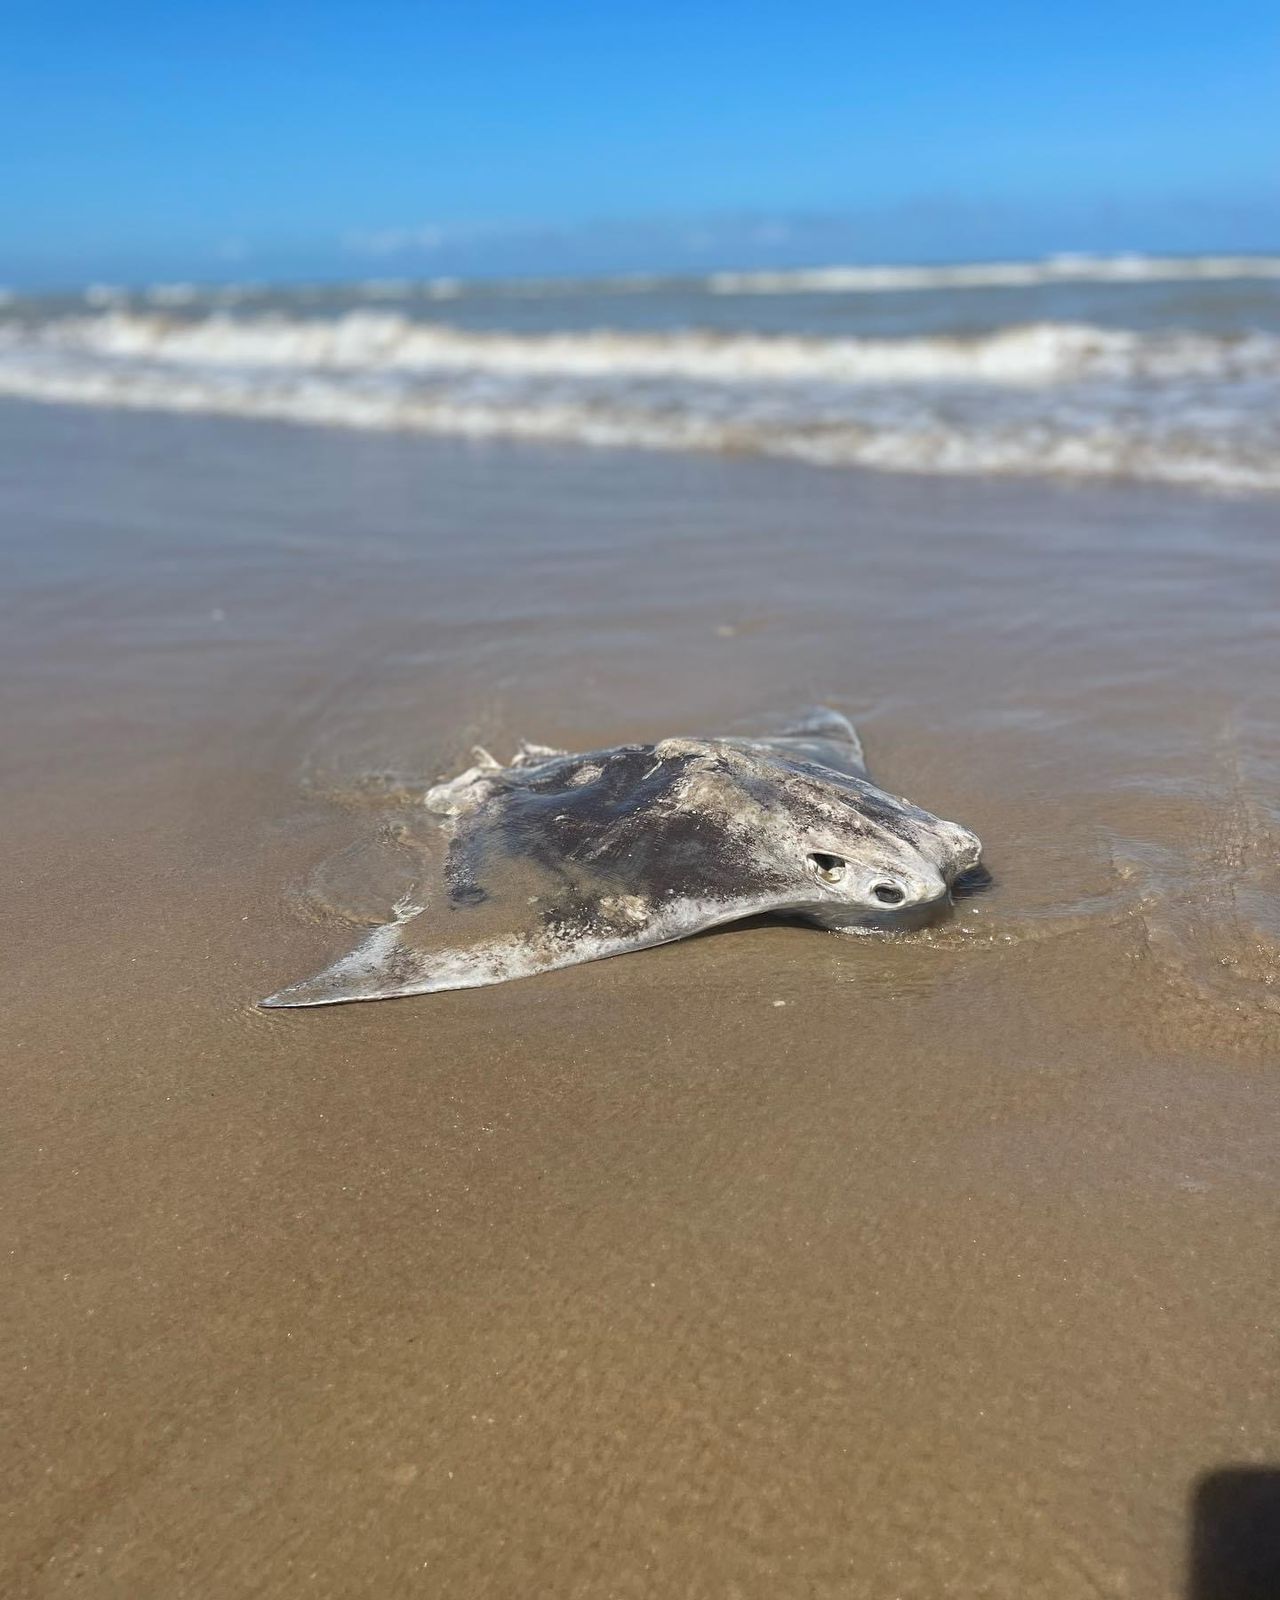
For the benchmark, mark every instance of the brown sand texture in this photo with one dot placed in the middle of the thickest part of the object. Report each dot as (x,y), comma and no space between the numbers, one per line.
(772,1264)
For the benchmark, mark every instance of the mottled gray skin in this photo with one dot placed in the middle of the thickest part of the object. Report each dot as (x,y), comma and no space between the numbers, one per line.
(559,859)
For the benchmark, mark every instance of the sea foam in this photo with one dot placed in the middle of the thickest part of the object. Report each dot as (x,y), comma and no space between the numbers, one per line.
(1002,274)
(1047,397)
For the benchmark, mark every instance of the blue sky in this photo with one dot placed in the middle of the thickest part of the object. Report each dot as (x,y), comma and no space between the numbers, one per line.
(222,140)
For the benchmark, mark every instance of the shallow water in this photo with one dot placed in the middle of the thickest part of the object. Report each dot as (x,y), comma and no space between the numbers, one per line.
(775,1261)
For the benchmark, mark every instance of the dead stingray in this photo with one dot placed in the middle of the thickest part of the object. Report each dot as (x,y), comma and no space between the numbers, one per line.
(558,859)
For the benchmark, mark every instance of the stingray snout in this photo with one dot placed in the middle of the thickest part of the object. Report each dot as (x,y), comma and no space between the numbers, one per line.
(964,850)
(925,882)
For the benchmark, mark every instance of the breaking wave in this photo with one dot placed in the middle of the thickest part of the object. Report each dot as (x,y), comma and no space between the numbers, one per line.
(1002,274)
(1049,397)
(1064,269)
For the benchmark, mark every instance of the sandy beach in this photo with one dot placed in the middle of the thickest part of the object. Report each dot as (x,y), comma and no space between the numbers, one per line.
(771,1264)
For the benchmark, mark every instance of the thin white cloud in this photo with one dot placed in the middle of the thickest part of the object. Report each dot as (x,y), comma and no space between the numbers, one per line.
(422,240)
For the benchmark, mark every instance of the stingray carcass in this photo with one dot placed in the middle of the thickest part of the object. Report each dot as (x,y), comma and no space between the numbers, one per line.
(558,859)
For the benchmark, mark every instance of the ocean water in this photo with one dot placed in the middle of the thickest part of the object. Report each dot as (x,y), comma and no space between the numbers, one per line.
(1133,367)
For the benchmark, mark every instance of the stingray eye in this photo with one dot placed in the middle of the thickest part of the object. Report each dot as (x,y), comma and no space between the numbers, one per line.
(829,868)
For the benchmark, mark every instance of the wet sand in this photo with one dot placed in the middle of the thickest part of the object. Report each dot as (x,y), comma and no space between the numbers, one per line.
(954,1274)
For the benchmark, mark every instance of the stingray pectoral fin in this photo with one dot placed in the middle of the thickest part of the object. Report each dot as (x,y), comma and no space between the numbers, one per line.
(820,734)
(388,964)
(380,966)
(384,966)
(391,962)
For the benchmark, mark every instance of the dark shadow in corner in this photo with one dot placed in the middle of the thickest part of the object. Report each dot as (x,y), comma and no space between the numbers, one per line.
(1235,1535)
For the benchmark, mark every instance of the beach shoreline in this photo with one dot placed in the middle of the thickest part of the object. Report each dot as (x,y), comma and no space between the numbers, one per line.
(773,1262)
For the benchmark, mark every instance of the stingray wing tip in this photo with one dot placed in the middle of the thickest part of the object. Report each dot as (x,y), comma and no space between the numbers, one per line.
(288,998)
(318,991)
